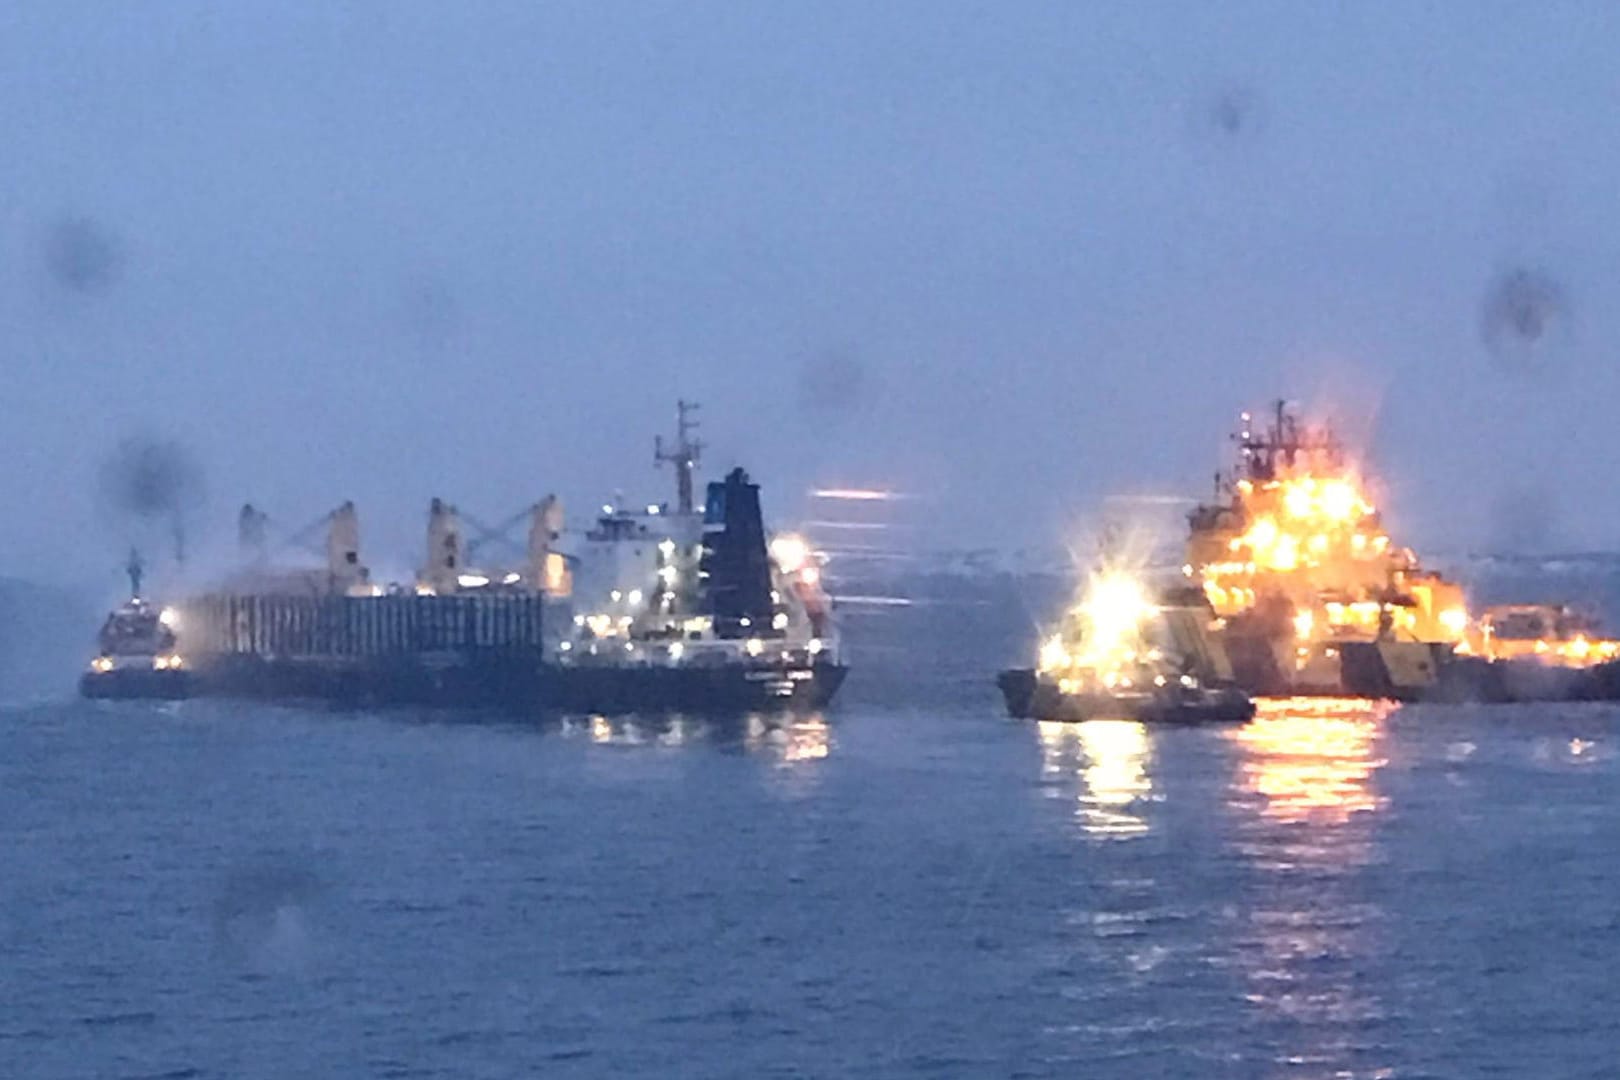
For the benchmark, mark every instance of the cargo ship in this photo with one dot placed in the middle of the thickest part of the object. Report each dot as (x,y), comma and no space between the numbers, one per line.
(1128,652)
(662,607)
(1313,597)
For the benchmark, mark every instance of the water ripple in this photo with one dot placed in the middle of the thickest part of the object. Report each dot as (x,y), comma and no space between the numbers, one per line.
(1330,891)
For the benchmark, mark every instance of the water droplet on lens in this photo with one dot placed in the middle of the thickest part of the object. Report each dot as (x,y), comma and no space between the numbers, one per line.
(82,255)
(1524,318)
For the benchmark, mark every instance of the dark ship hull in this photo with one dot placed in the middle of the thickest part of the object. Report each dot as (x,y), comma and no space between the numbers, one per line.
(1409,671)
(1030,697)
(731,688)
(503,681)
(1475,680)
(129,684)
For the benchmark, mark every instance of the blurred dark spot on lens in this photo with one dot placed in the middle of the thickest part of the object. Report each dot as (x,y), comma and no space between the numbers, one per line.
(1233,111)
(262,915)
(832,383)
(259,889)
(83,256)
(432,312)
(1525,309)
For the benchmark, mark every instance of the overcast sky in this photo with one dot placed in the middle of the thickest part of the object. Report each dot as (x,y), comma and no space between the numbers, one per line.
(1009,257)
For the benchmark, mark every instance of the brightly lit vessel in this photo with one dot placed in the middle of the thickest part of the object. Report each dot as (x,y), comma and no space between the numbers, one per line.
(1312,595)
(1518,652)
(136,651)
(1125,653)
(1553,634)
(667,607)
(1314,598)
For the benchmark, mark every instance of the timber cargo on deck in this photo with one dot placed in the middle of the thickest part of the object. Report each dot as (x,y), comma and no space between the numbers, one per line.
(666,607)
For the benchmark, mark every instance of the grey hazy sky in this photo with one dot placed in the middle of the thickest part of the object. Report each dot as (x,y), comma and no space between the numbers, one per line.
(1003,255)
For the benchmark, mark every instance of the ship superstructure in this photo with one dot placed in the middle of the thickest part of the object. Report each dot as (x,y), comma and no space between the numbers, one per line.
(1294,558)
(1557,635)
(1127,650)
(680,586)
(1314,597)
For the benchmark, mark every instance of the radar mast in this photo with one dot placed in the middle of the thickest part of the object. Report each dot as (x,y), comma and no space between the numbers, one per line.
(136,569)
(684,454)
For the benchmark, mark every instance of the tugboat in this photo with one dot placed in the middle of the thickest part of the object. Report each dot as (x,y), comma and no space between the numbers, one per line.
(1312,596)
(137,653)
(1121,655)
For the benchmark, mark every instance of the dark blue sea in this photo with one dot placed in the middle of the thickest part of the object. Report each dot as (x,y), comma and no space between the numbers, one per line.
(216,890)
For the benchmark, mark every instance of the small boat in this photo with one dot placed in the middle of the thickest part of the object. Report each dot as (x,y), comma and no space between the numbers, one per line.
(1032,696)
(136,656)
(1121,655)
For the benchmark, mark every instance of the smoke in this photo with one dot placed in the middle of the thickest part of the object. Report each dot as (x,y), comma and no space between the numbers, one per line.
(153,481)
(1525,315)
(151,478)
(83,256)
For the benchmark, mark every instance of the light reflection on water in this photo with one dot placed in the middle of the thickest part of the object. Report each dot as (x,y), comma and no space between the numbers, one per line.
(1306,803)
(939,895)
(1286,836)
(1312,758)
(1111,760)
(789,740)
(786,739)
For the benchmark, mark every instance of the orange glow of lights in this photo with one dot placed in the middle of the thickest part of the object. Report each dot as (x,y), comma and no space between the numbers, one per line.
(1313,759)
(1262,537)
(807,740)
(1314,514)
(1112,761)
(1340,501)
(790,552)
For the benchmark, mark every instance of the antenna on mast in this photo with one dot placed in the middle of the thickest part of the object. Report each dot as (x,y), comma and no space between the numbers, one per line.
(684,455)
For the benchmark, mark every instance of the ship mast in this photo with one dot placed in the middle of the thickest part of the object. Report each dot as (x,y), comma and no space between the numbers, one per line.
(136,570)
(1287,444)
(683,455)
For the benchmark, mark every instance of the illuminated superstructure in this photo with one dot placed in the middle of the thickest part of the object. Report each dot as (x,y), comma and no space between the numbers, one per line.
(691,586)
(1114,639)
(1126,650)
(1292,553)
(1551,634)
